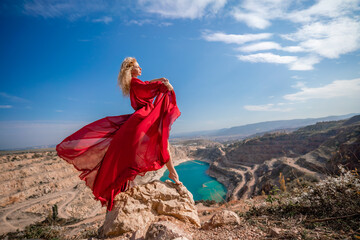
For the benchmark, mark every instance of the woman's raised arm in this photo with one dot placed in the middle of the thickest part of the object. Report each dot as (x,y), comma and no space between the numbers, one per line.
(160,79)
(165,81)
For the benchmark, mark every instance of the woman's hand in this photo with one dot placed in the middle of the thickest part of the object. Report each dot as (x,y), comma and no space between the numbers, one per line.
(169,86)
(164,80)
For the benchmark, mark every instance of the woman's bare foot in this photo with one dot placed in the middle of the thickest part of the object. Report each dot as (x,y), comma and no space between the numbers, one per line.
(172,172)
(175,177)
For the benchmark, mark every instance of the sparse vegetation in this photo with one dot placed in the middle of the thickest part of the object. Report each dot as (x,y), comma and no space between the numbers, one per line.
(51,228)
(37,155)
(207,203)
(332,203)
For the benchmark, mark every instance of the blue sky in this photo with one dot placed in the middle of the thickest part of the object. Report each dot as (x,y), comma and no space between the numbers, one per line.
(230,62)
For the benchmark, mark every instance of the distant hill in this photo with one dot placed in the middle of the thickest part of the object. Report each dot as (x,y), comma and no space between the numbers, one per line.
(26,149)
(241,132)
(232,133)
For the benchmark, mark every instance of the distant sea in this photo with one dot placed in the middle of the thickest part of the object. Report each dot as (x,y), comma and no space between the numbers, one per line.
(203,187)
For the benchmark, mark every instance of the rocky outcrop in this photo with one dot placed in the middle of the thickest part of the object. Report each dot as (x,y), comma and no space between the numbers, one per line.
(225,217)
(141,205)
(164,230)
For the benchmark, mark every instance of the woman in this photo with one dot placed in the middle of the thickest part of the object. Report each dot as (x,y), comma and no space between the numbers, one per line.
(112,151)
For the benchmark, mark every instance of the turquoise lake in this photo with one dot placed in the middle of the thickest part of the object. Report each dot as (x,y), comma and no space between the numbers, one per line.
(203,187)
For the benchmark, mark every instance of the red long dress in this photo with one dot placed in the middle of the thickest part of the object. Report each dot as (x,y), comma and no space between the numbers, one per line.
(113,150)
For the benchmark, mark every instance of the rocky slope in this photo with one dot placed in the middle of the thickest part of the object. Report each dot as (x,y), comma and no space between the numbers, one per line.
(31,182)
(253,166)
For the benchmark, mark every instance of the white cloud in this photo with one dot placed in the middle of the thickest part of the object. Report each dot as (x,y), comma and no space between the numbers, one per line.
(260,13)
(182,8)
(293,62)
(165,24)
(5,106)
(268,58)
(296,77)
(75,9)
(260,46)
(338,88)
(142,22)
(234,38)
(69,9)
(299,85)
(13,98)
(47,9)
(318,40)
(257,14)
(326,28)
(329,39)
(251,19)
(104,19)
(293,49)
(305,63)
(342,91)
(324,9)
(323,28)
(329,29)
(267,107)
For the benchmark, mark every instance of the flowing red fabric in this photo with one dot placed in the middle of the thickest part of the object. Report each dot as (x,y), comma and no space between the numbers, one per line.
(113,150)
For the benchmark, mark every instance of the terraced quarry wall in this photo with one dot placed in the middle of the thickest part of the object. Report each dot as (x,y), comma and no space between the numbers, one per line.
(252,166)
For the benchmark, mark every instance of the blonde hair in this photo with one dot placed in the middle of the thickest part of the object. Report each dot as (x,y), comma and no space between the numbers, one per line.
(124,78)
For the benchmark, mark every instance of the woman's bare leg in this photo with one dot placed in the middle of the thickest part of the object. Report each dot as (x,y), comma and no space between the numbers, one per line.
(172,172)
